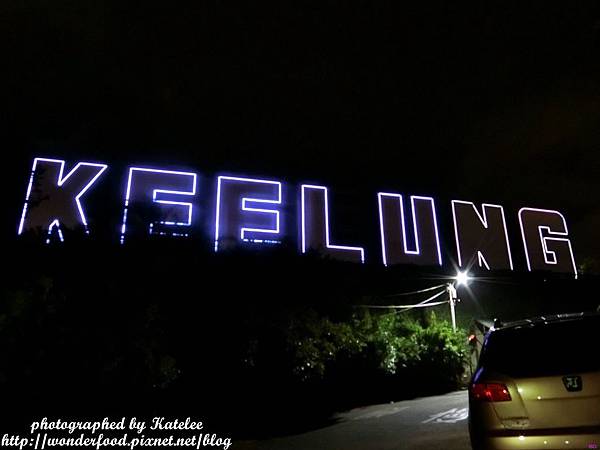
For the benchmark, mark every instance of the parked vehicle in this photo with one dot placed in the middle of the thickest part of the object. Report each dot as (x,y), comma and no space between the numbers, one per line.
(537,385)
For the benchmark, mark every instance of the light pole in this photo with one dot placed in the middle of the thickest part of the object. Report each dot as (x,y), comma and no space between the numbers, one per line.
(460,278)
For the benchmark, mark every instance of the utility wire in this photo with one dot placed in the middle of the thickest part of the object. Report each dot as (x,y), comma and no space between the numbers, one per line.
(417,292)
(426,303)
(423,304)
(406,307)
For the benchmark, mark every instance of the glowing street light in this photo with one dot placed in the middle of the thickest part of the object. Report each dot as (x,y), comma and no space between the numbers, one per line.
(462,278)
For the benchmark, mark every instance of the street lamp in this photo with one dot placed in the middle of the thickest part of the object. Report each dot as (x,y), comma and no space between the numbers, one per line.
(460,278)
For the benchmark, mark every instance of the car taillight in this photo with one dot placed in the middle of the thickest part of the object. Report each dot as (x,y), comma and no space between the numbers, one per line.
(490,392)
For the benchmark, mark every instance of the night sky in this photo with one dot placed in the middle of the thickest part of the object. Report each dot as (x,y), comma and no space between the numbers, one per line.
(476,102)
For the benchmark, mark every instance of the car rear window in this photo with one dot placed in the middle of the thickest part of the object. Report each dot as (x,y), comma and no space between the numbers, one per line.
(544,349)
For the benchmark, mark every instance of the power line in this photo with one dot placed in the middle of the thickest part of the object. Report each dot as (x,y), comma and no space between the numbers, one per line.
(423,304)
(417,292)
(406,307)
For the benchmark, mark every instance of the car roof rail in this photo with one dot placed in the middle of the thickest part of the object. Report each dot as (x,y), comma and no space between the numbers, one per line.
(545,319)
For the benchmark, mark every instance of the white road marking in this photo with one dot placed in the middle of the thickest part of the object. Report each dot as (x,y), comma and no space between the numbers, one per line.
(451,416)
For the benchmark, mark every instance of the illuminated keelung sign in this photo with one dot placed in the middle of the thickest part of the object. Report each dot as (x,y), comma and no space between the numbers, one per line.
(250,211)
(394,243)
(236,217)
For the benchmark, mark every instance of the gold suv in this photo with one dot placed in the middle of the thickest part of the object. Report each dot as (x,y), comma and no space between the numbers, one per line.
(537,385)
